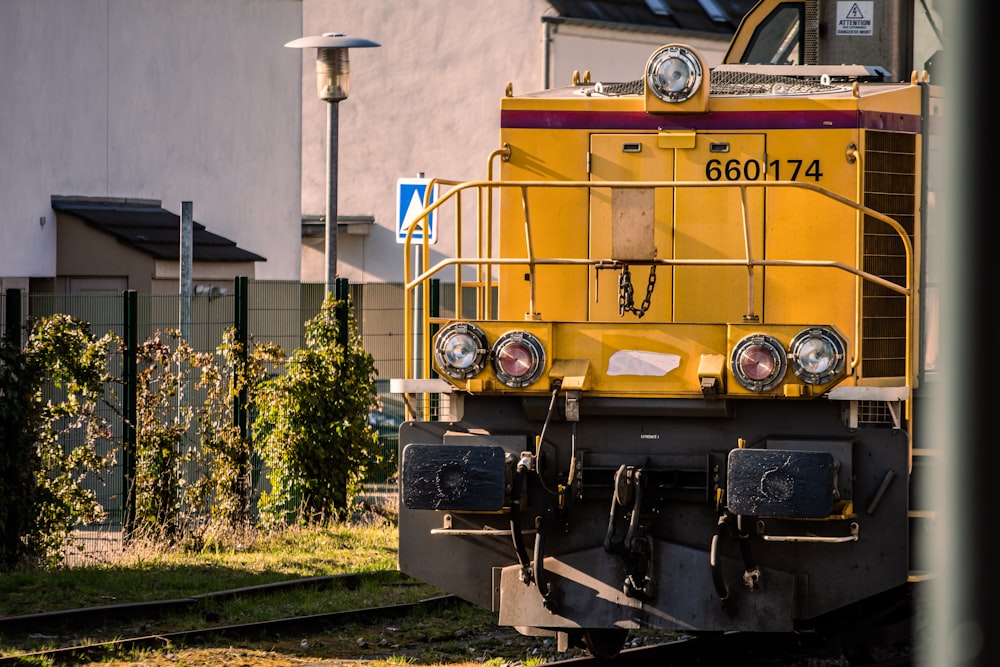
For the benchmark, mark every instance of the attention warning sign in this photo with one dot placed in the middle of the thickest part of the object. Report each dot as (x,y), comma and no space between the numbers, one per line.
(855,18)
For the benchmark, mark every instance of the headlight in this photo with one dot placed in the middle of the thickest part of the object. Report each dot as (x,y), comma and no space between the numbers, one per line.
(518,358)
(759,362)
(460,350)
(817,355)
(674,74)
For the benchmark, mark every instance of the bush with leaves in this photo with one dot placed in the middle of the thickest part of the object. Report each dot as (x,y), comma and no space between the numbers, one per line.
(192,459)
(50,445)
(312,426)
(225,488)
(20,420)
(163,420)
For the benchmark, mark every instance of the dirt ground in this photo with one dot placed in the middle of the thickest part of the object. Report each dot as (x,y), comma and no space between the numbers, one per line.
(378,644)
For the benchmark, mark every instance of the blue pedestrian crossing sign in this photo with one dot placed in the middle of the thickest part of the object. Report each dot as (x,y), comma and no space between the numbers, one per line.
(411,199)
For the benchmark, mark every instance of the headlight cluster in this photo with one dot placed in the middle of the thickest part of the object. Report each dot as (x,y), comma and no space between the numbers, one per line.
(461,351)
(816,356)
(674,73)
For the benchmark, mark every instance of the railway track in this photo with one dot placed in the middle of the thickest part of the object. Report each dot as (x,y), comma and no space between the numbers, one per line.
(79,617)
(752,650)
(747,650)
(260,629)
(52,625)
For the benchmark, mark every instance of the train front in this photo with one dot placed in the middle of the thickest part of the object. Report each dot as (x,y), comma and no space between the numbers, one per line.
(676,392)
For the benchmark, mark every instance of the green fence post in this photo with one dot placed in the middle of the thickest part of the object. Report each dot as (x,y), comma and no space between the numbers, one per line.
(130,378)
(12,317)
(343,338)
(240,317)
(343,293)
(433,407)
(14,452)
(435,310)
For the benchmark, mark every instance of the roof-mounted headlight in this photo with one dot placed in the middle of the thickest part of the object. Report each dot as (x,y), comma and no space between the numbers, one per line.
(759,362)
(460,350)
(518,358)
(817,355)
(674,73)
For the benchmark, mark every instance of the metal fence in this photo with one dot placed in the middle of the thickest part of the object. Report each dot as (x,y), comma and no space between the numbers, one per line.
(272,312)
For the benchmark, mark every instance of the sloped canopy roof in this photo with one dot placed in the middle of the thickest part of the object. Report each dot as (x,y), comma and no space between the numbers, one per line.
(711,16)
(148,227)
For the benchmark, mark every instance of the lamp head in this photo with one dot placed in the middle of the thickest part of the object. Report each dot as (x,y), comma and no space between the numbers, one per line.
(332,64)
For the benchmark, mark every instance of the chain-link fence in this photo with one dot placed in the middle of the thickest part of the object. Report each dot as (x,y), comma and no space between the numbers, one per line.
(271,312)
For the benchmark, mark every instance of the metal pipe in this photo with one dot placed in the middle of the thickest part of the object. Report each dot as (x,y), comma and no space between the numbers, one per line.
(187,260)
(883,487)
(332,120)
(715,564)
(748,251)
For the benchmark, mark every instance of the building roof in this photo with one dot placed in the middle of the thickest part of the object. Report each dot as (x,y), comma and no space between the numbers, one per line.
(709,16)
(150,228)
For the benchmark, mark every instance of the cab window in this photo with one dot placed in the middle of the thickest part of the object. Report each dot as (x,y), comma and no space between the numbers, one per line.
(778,39)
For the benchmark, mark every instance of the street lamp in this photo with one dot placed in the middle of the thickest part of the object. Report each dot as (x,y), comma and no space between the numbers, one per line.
(332,85)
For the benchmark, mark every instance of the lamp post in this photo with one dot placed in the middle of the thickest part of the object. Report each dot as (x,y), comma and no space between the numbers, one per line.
(332,85)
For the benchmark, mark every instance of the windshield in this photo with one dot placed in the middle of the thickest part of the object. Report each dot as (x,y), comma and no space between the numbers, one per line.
(778,40)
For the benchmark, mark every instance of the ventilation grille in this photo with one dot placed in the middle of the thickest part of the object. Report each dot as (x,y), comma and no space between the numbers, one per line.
(874,414)
(811,55)
(727,82)
(753,83)
(890,186)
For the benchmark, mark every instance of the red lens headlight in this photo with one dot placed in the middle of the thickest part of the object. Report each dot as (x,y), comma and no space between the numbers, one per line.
(518,358)
(759,362)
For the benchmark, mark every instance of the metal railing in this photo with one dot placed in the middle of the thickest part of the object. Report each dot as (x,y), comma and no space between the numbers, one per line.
(417,281)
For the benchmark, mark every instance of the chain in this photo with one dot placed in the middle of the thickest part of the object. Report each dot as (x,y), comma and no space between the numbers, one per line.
(626,294)
(625,291)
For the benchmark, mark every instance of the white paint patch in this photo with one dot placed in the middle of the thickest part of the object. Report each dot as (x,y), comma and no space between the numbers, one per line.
(638,362)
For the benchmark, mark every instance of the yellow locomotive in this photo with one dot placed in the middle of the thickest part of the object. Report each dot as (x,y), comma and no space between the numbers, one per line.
(677,383)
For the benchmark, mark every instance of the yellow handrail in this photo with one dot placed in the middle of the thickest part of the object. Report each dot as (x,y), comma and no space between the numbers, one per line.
(485,260)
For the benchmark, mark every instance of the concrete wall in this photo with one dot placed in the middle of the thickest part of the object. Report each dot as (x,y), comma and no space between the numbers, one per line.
(119,266)
(184,100)
(428,99)
(82,249)
(200,101)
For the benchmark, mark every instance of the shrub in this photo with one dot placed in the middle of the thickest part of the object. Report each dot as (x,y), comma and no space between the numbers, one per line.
(311,422)
(163,418)
(193,460)
(226,484)
(49,444)
(20,419)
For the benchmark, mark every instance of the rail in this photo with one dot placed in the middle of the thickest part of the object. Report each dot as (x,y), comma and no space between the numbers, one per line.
(484,261)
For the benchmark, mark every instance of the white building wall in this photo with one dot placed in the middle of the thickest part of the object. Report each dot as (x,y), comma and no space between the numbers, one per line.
(428,100)
(184,100)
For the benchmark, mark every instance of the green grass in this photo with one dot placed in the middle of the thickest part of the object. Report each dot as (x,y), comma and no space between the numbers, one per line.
(150,572)
(424,637)
(460,635)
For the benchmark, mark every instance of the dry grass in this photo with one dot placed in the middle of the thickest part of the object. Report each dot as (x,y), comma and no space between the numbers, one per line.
(461,636)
